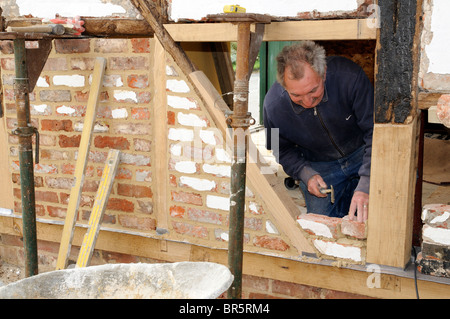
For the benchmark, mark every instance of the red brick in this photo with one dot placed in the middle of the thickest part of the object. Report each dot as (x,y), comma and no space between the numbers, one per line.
(170,118)
(123,205)
(72,45)
(140,223)
(46,196)
(134,190)
(204,216)
(111,45)
(56,125)
(295,290)
(59,182)
(190,230)
(7,64)
(55,96)
(83,96)
(137,81)
(69,141)
(118,143)
(56,211)
(124,173)
(140,113)
(188,198)
(177,211)
(128,63)
(353,228)
(332,223)
(55,64)
(268,242)
(140,45)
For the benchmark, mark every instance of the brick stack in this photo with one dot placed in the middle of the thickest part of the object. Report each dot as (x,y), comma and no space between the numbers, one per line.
(434,258)
(335,238)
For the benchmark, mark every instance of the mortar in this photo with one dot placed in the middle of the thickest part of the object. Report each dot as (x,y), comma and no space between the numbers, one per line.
(184,280)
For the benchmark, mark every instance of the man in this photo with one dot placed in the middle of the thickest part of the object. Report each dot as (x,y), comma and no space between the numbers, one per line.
(323,108)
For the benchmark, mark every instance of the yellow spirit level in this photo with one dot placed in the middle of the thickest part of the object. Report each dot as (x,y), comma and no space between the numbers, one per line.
(233,9)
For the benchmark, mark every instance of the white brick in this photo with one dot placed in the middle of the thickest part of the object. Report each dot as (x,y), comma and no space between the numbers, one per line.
(180,134)
(42,83)
(337,250)
(67,110)
(219,170)
(119,113)
(208,137)
(181,102)
(222,156)
(186,167)
(318,229)
(436,235)
(69,80)
(177,86)
(198,183)
(123,95)
(40,109)
(191,120)
(217,202)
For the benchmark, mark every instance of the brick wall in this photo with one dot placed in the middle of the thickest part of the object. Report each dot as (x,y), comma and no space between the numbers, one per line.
(198,167)
(58,104)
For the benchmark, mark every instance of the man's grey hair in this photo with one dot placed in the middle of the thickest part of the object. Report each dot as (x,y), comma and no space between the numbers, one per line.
(296,55)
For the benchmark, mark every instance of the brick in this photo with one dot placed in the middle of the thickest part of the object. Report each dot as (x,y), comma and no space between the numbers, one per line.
(443,109)
(55,64)
(7,64)
(128,63)
(134,190)
(436,215)
(45,168)
(72,110)
(170,118)
(140,113)
(132,129)
(120,204)
(56,125)
(82,63)
(137,81)
(433,267)
(143,175)
(294,290)
(74,80)
(187,198)
(190,230)
(269,242)
(142,145)
(204,216)
(320,225)
(59,182)
(218,202)
(56,212)
(118,143)
(111,45)
(338,250)
(177,211)
(436,235)
(53,154)
(198,184)
(46,196)
(6,47)
(69,141)
(140,223)
(124,173)
(135,159)
(435,251)
(55,96)
(145,207)
(67,46)
(140,45)
(353,228)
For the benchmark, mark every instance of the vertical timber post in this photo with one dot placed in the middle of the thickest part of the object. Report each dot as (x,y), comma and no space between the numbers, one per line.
(25,132)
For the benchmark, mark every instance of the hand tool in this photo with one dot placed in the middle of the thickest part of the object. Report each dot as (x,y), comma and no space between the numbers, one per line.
(57,29)
(329,190)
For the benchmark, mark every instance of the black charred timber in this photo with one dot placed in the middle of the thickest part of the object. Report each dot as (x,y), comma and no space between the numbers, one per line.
(25,132)
(397,53)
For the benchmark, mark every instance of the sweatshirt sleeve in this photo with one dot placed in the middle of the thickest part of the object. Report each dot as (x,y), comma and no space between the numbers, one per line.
(363,104)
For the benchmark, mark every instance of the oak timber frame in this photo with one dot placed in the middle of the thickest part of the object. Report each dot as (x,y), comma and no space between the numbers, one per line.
(399,130)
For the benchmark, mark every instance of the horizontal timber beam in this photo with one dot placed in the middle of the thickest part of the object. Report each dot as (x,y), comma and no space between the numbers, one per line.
(345,29)
(276,268)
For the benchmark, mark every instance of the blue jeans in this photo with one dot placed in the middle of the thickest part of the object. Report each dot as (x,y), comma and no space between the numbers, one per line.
(343,175)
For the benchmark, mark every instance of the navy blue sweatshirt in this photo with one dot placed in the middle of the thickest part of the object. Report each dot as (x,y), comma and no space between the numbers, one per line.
(340,124)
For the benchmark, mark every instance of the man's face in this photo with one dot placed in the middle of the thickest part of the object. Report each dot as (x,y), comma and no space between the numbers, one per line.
(307,91)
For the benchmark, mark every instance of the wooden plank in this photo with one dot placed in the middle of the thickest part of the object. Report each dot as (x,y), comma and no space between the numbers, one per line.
(391,209)
(6,186)
(279,203)
(99,207)
(342,29)
(83,153)
(159,126)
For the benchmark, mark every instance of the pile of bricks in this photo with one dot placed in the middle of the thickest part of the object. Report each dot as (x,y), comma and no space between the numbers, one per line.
(335,238)
(434,258)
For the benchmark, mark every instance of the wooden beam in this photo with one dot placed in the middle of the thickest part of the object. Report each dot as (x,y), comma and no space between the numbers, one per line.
(391,286)
(343,29)
(391,205)
(159,131)
(397,54)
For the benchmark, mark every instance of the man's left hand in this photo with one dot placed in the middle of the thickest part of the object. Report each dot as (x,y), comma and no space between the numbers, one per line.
(360,204)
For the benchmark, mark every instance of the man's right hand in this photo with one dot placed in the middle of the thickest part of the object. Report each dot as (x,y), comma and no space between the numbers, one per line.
(315,183)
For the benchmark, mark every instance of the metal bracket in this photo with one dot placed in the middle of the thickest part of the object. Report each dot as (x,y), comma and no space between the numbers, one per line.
(243,122)
(37,59)
(255,44)
(27,132)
